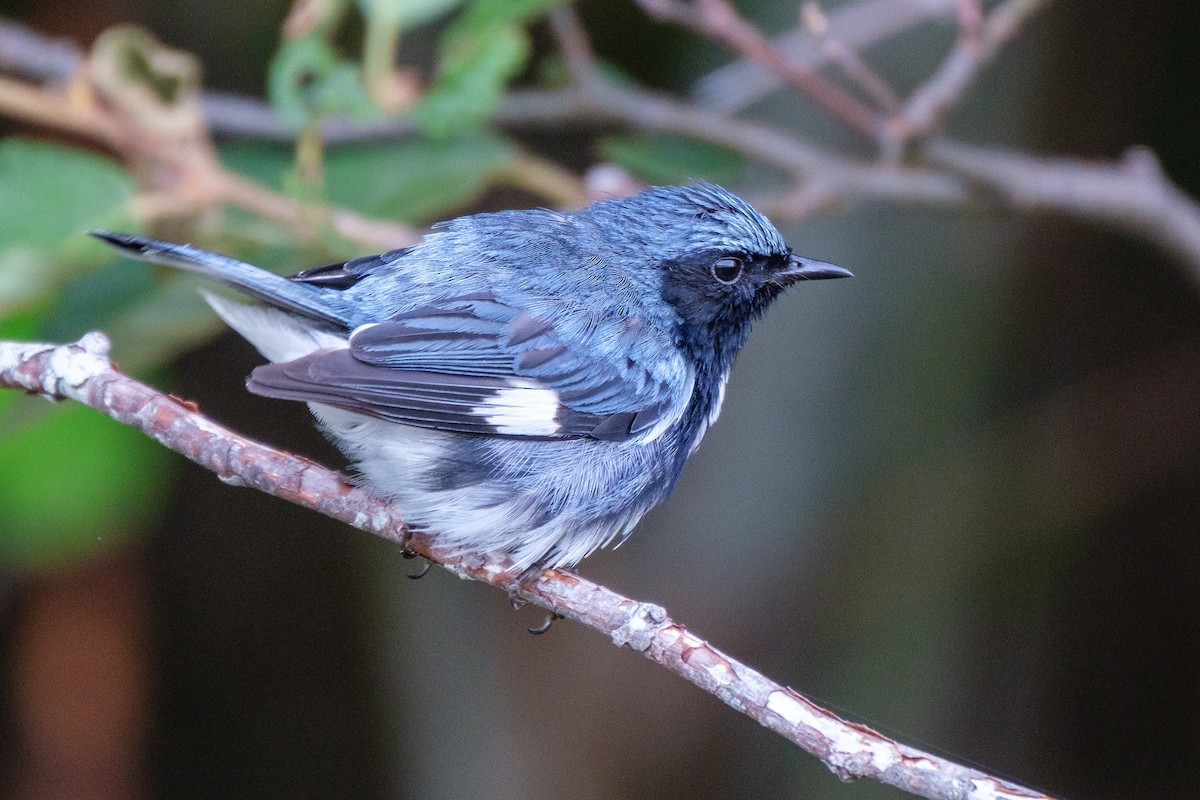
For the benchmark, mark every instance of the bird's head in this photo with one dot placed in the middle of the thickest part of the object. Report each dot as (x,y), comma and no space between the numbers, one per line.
(721,261)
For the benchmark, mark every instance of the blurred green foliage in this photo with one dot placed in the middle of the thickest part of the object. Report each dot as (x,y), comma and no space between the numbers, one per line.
(72,481)
(481,51)
(664,158)
(49,195)
(68,480)
(415,181)
(308,80)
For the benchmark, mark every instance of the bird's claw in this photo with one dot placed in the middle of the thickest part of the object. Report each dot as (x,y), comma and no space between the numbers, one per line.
(545,626)
(425,567)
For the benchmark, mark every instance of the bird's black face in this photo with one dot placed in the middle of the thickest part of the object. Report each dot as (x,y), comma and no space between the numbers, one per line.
(719,293)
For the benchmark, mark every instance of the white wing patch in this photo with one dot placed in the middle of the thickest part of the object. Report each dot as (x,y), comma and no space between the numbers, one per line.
(527,409)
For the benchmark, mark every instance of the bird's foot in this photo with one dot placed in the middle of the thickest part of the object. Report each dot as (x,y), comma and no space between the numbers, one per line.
(425,566)
(551,618)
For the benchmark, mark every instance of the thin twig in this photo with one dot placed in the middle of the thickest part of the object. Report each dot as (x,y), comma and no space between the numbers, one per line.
(979,42)
(719,21)
(543,178)
(229,187)
(574,45)
(816,22)
(857,25)
(1142,201)
(33,55)
(602,100)
(957,175)
(183,174)
(83,372)
(642,109)
(58,110)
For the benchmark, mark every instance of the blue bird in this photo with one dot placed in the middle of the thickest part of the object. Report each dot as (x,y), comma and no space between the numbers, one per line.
(525,383)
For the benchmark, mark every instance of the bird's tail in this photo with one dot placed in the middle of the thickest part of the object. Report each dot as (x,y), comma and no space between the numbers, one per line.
(310,301)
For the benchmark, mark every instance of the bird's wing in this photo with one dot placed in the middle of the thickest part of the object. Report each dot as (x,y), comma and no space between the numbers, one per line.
(344,274)
(474,365)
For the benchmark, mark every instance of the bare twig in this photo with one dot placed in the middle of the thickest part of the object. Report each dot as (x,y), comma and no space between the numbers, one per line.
(605,101)
(598,98)
(856,26)
(719,21)
(166,146)
(33,55)
(574,45)
(1133,194)
(307,16)
(544,178)
(58,110)
(83,372)
(980,41)
(229,187)
(1144,202)
(816,22)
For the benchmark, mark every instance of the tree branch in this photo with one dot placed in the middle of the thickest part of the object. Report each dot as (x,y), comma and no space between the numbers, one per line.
(1133,194)
(165,144)
(34,55)
(741,83)
(1143,202)
(720,22)
(979,42)
(84,372)
(817,24)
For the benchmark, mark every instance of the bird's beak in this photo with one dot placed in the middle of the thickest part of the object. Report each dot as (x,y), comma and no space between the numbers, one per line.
(809,269)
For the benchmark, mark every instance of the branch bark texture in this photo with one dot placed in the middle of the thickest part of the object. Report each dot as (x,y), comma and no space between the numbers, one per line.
(83,372)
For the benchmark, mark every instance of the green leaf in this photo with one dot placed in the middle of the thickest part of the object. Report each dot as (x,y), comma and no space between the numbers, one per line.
(664,158)
(475,68)
(262,162)
(307,80)
(416,181)
(51,196)
(50,193)
(27,275)
(163,325)
(479,54)
(73,482)
(92,301)
(486,13)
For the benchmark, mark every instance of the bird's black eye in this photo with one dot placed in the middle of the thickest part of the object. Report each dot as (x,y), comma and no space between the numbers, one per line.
(727,269)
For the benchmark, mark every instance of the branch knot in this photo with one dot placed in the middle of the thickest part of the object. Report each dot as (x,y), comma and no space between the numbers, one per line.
(641,627)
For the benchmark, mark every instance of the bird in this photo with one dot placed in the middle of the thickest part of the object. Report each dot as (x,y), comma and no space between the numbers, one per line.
(526,384)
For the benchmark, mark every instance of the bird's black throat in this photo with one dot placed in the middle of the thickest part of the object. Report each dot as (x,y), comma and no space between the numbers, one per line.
(714,320)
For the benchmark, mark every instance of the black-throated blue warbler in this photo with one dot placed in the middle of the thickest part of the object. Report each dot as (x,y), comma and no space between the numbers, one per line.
(525,383)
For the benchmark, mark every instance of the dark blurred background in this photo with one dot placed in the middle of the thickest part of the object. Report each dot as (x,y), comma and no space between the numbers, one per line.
(956,498)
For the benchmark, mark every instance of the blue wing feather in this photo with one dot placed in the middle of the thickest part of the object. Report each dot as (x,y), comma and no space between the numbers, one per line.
(472,364)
